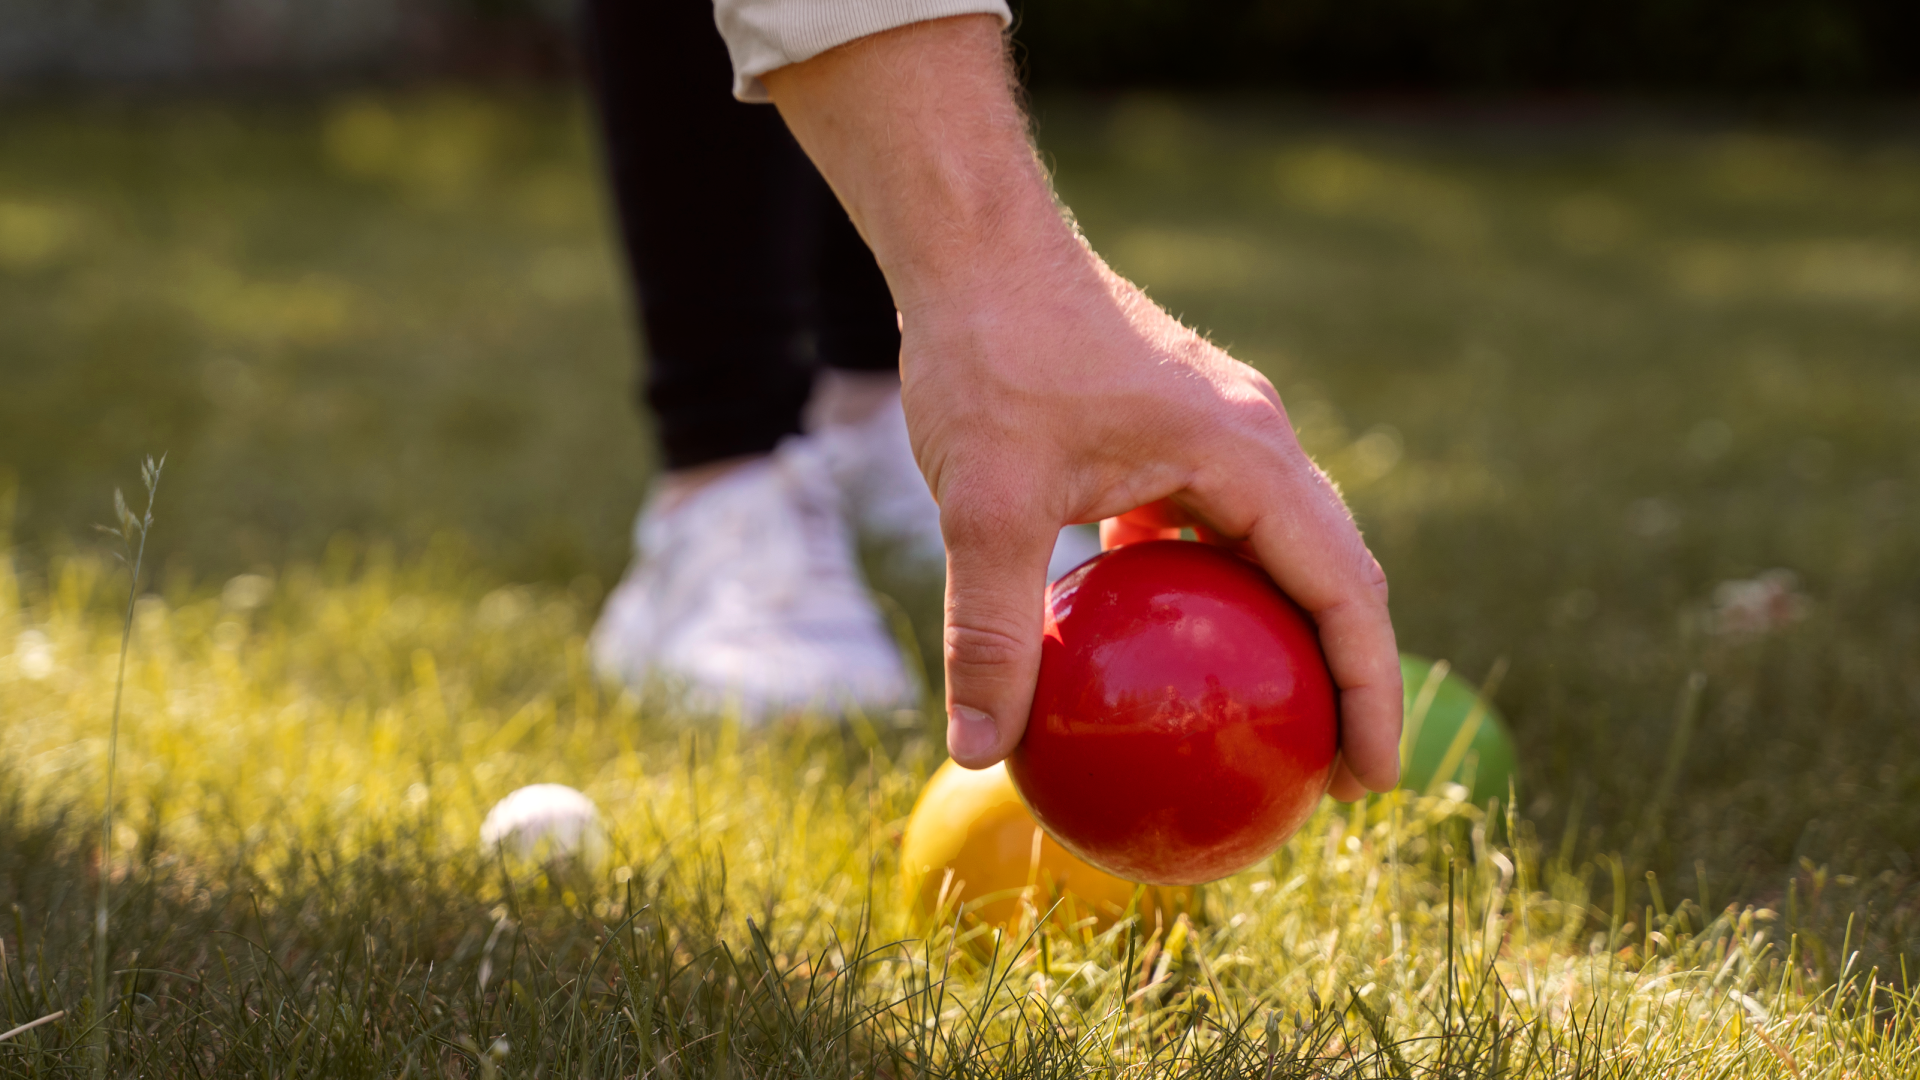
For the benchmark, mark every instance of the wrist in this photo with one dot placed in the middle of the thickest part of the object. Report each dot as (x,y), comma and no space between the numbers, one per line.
(953,265)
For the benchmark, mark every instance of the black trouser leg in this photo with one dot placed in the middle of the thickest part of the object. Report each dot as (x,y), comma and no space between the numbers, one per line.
(746,271)
(855,319)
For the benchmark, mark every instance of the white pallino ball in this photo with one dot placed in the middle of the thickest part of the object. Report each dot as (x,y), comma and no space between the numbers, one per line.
(545,823)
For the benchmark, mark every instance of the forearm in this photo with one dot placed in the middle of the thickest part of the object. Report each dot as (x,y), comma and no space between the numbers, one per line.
(943,182)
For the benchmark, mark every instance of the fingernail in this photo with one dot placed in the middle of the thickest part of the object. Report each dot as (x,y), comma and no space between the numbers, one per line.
(971,734)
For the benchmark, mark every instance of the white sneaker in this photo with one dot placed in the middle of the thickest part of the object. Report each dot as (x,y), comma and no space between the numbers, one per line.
(881,487)
(746,591)
(1075,545)
(887,498)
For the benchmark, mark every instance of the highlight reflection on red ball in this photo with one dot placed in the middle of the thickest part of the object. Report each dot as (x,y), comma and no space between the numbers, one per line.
(1184,724)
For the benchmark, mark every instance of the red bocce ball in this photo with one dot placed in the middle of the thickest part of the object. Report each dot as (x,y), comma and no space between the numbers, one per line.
(1185,722)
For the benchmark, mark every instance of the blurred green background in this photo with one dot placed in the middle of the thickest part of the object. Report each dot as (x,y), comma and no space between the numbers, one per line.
(1586,372)
(1770,48)
(384,315)
(1758,47)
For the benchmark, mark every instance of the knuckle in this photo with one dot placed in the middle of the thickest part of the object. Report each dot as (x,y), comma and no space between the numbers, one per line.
(1376,580)
(974,648)
(1260,404)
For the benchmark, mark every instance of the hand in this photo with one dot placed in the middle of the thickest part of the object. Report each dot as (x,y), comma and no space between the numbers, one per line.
(1042,389)
(1089,403)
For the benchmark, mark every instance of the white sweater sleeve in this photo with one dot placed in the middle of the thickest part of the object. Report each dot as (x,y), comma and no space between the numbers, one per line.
(765,34)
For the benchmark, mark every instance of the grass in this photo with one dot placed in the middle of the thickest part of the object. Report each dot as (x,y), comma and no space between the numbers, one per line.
(1575,374)
(298,889)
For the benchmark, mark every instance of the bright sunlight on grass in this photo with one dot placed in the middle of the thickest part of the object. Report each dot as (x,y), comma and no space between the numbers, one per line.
(300,890)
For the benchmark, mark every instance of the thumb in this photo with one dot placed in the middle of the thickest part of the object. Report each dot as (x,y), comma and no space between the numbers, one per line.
(996,588)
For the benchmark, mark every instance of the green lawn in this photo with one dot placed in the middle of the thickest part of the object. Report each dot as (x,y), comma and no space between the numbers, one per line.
(1574,375)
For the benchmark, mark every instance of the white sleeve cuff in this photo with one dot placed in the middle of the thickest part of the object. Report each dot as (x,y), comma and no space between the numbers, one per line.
(765,34)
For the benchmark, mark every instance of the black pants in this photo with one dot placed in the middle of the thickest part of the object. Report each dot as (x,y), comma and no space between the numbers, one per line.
(747,272)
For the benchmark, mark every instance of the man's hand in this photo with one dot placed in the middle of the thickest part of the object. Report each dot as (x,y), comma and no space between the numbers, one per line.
(1042,389)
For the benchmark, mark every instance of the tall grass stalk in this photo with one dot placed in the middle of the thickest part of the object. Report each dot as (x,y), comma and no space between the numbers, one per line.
(133,537)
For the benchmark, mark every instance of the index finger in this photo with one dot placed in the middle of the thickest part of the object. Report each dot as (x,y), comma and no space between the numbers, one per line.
(1312,549)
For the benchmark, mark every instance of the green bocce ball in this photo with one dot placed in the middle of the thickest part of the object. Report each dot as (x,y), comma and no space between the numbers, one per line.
(1452,735)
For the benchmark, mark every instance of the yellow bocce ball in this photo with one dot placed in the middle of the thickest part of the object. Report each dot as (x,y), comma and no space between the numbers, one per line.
(971,845)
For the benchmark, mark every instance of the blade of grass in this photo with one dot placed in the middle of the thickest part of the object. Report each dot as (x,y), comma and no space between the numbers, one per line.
(130,528)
